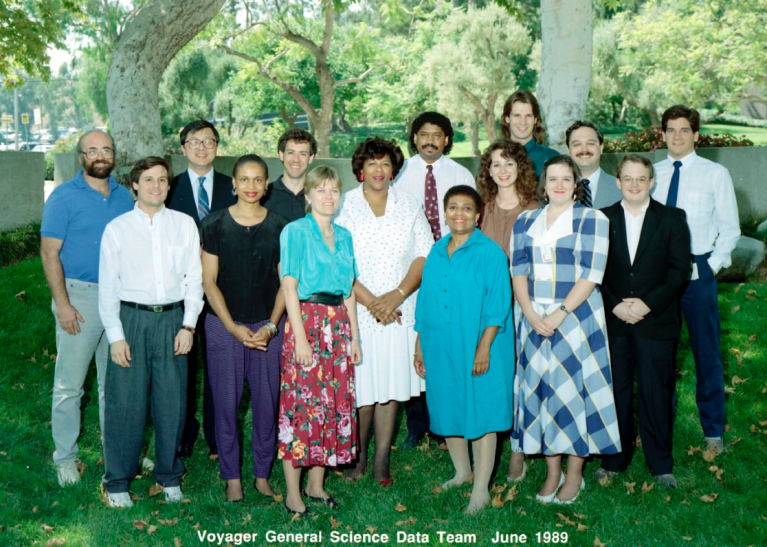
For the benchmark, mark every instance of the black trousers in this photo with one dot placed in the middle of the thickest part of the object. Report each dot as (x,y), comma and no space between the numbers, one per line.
(192,425)
(653,362)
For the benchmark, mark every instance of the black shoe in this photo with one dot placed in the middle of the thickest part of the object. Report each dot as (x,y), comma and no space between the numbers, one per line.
(304,514)
(329,501)
(186,447)
(185,451)
(412,441)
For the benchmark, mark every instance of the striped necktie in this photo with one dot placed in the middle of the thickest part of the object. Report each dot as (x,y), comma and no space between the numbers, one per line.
(587,201)
(203,205)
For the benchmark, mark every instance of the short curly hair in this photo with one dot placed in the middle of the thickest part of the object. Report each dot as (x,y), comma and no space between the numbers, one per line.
(578,192)
(298,136)
(434,118)
(525,185)
(376,147)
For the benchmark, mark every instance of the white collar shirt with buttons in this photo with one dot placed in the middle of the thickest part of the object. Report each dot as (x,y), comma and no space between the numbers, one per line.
(150,261)
(707,196)
(634,227)
(208,185)
(447,173)
(385,247)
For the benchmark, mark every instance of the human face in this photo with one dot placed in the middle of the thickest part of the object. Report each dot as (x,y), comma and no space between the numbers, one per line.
(521,122)
(98,166)
(560,184)
(635,183)
(152,188)
(325,198)
(504,171)
(585,149)
(377,174)
(430,141)
(250,183)
(200,158)
(296,159)
(461,215)
(680,138)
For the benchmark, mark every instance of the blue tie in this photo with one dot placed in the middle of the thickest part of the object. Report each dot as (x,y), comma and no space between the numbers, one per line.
(587,201)
(673,189)
(203,205)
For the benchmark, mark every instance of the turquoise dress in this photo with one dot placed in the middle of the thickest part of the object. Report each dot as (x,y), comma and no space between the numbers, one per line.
(459,298)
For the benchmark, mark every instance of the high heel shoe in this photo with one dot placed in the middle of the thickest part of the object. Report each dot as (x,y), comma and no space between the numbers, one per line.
(558,501)
(553,495)
(329,501)
(386,482)
(302,514)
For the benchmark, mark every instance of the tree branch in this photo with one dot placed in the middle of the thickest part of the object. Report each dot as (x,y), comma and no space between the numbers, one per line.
(472,98)
(356,80)
(328,33)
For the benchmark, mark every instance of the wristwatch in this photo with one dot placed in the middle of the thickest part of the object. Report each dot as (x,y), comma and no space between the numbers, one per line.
(562,307)
(190,329)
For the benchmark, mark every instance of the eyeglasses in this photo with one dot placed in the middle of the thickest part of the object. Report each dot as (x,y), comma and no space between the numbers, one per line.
(94,152)
(207,143)
(629,181)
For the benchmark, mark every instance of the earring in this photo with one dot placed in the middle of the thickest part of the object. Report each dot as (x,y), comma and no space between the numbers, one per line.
(392,177)
(234,191)
(362,177)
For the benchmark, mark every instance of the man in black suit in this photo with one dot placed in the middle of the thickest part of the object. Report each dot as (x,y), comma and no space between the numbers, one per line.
(197,192)
(648,267)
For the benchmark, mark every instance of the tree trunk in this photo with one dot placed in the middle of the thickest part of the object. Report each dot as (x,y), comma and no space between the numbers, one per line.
(141,55)
(475,138)
(566,52)
(324,122)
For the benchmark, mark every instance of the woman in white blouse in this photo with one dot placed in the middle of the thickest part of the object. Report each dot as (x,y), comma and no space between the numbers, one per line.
(391,238)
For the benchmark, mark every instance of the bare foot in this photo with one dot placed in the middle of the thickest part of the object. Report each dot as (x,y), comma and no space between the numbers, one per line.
(234,490)
(517,467)
(263,487)
(478,501)
(458,480)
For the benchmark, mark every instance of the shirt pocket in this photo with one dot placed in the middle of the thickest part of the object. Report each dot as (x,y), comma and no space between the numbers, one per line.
(178,257)
(701,207)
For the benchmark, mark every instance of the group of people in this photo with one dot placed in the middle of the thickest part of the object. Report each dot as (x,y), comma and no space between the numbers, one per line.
(523,301)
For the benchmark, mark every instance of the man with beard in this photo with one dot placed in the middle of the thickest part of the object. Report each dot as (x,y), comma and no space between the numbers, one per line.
(74,219)
(428,176)
(585,144)
(285,196)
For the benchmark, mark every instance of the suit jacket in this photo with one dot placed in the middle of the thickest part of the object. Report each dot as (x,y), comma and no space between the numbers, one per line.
(658,276)
(181,198)
(607,191)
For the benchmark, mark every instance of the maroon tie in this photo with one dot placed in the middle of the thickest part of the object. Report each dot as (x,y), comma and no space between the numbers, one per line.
(431,204)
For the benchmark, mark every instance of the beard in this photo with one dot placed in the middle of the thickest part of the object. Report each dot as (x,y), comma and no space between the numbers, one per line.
(100,169)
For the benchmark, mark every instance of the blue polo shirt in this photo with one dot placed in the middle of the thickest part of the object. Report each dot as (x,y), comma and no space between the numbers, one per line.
(77,214)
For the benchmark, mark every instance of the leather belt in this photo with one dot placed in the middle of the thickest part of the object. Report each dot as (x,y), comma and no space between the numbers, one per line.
(155,309)
(326,299)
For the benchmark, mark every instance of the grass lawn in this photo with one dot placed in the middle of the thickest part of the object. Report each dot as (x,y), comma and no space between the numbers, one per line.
(708,509)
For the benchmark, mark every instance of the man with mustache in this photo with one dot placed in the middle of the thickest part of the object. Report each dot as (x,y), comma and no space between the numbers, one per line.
(74,219)
(585,144)
(285,196)
(428,176)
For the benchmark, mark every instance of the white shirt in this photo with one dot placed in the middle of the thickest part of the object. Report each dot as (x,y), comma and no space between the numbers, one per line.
(149,261)
(447,173)
(707,196)
(634,227)
(208,185)
(385,247)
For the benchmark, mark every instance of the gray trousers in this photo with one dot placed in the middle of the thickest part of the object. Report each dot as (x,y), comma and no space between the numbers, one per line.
(154,371)
(73,357)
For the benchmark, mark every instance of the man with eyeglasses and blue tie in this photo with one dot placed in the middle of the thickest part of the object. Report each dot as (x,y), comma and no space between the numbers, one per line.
(199,191)
(74,219)
(704,190)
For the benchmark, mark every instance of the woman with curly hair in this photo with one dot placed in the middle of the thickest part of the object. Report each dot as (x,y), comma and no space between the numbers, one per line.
(506,182)
(382,218)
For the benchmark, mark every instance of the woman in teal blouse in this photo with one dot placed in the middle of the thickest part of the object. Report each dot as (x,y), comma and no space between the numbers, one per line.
(317,417)
(465,346)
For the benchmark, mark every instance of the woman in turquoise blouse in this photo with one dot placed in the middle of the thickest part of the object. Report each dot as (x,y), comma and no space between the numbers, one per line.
(465,346)
(317,418)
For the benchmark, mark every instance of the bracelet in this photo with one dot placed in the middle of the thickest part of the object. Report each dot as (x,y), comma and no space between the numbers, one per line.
(417,352)
(564,309)
(355,338)
(272,328)
(401,292)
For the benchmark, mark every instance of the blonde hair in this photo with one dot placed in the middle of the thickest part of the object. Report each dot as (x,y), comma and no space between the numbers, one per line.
(319,176)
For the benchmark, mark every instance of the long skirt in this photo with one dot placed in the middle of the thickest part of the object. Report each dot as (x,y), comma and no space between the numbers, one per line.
(318,417)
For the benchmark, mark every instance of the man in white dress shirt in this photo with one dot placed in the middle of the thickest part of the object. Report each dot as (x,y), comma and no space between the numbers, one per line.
(427,176)
(585,144)
(704,190)
(150,295)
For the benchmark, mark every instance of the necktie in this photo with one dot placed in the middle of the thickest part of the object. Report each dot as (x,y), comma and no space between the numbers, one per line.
(586,193)
(203,205)
(673,189)
(431,204)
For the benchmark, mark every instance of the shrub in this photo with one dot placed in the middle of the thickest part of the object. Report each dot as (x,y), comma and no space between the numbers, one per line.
(650,138)
(19,244)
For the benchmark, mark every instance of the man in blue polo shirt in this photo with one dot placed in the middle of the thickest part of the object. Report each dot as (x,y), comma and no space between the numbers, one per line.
(74,219)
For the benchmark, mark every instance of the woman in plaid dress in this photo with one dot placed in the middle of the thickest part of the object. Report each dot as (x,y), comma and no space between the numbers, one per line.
(563,379)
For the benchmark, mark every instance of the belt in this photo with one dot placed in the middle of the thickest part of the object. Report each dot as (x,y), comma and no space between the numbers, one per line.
(325,299)
(155,309)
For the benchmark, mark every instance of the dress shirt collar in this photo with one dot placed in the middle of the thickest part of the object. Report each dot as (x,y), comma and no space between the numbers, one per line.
(686,161)
(194,177)
(475,236)
(145,217)
(437,164)
(595,177)
(562,227)
(279,186)
(316,227)
(642,211)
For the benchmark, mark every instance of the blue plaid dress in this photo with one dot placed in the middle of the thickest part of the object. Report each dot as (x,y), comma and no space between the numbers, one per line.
(563,389)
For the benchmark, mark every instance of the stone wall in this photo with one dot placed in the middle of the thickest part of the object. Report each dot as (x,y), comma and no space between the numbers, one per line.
(22,179)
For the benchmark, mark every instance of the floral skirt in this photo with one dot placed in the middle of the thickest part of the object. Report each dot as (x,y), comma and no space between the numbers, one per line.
(317,417)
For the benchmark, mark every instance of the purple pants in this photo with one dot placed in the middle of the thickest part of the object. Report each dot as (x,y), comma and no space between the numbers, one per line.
(229,365)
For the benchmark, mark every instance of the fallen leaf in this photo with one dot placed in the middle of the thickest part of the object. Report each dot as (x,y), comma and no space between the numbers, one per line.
(692,450)
(196,526)
(598,543)
(638,441)
(685,502)
(687,538)
(737,380)
(334,523)
(497,501)
(47,529)
(154,490)
(668,499)
(709,454)
(277,498)
(174,521)
(735,351)
(55,541)
(498,488)
(709,499)
(719,474)
(647,487)
(752,338)
(751,291)
(440,521)
(754,429)
(565,519)
(728,390)
(763,423)
(248,517)
(727,428)
(186,500)
(630,486)
(408,522)
(467,494)
(55,503)
(735,309)
(34,509)
(177,542)
(522,512)
(151,530)
(436,490)
(737,289)
(580,527)
(579,516)
(139,524)
(400,508)
(22,295)
(512,493)
(605,481)
(370,528)
(408,468)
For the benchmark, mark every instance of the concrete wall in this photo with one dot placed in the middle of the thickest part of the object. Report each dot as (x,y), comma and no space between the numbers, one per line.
(22,179)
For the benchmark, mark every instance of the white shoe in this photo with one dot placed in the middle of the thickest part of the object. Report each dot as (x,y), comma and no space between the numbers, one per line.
(547,499)
(558,501)
(146,464)
(511,479)
(173,494)
(121,499)
(68,473)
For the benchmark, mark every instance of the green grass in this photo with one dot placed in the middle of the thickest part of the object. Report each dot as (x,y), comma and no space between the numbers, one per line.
(32,497)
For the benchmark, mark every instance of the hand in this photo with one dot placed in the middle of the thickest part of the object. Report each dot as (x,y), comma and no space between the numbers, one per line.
(386,304)
(538,325)
(69,318)
(481,361)
(637,306)
(120,352)
(261,338)
(624,312)
(396,315)
(183,342)
(244,335)
(356,352)
(418,364)
(554,320)
(303,352)
(713,271)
